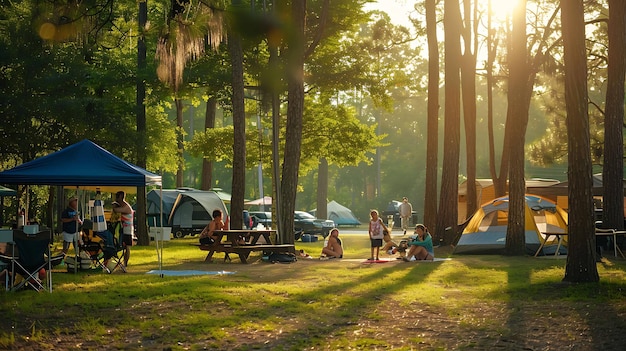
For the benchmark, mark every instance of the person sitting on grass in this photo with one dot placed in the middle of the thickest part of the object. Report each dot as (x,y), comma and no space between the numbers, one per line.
(390,246)
(420,245)
(333,248)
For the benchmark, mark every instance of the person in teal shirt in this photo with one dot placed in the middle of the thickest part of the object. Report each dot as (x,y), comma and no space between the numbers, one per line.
(420,245)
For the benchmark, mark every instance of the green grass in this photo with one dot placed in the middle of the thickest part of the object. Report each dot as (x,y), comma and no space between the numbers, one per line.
(311,304)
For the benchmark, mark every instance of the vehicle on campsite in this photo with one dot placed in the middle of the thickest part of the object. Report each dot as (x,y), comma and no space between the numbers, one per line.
(306,223)
(247,220)
(264,218)
(393,209)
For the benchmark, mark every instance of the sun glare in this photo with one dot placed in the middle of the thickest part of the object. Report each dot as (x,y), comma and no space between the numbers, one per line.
(501,9)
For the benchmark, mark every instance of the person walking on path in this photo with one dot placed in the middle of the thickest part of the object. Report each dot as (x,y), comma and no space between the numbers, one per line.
(406,210)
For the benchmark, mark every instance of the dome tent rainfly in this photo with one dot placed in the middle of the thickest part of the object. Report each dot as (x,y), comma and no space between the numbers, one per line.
(486,231)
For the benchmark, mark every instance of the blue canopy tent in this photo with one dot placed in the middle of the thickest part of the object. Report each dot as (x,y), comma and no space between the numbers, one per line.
(84,165)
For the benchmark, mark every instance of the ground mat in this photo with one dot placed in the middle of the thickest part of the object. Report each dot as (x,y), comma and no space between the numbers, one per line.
(188,272)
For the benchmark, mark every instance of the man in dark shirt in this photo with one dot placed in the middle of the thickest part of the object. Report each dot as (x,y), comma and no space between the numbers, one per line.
(71,221)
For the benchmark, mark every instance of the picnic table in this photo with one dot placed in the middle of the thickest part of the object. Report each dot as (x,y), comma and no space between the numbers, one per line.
(243,242)
(599,232)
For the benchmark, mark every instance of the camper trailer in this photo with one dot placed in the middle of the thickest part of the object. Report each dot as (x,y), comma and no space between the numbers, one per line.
(192,211)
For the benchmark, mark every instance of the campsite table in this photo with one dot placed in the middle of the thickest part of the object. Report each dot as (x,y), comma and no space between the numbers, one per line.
(250,235)
(243,250)
(614,233)
(599,232)
(559,237)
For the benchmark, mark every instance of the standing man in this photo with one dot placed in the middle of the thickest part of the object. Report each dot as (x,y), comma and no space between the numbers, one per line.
(71,221)
(406,210)
(126,214)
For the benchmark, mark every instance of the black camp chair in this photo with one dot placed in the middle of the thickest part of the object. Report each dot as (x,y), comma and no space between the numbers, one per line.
(33,255)
(102,248)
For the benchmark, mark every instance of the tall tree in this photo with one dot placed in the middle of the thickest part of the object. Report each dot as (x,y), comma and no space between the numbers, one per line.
(517,120)
(295,108)
(239,127)
(581,263)
(613,171)
(446,228)
(142,159)
(432,147)
(492,48)
(181,40)
(209,123)
(468,85)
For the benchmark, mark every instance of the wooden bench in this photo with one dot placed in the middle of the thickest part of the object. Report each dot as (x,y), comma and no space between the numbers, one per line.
(242,250)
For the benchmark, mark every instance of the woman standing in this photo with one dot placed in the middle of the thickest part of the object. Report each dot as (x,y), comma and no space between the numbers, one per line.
(376,232)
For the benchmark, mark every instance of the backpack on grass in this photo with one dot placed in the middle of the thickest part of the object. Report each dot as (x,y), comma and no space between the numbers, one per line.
(281,257)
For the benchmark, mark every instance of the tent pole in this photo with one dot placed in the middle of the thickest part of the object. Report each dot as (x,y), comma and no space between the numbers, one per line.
(160,254)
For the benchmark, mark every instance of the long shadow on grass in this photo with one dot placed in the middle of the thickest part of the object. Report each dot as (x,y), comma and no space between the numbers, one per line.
(558,315)
(349,303)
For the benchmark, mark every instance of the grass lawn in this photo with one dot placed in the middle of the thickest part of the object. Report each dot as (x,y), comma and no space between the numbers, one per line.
(462,303)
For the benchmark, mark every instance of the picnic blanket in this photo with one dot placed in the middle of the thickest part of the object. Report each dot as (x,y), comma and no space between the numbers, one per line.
(384,260)
(188,272)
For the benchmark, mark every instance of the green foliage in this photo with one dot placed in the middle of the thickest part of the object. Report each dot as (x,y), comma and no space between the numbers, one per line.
(329,131)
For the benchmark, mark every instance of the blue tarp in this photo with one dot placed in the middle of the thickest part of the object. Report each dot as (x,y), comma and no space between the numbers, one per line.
(82,164)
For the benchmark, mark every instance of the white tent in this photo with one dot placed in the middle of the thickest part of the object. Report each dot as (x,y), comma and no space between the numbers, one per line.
(341,215)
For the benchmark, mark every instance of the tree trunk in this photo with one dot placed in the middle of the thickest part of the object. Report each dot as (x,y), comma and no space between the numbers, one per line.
(581,263)
(432,148)
(274,84)
(239,126)
(295,106)
(322,189)
(446,228)
(209,123)
(492,47)
(468,78)
(179,137)
(613,171)
(142,229)
(518,121)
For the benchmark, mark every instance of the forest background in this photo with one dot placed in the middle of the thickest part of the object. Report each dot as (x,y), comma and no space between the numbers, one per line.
(367,78)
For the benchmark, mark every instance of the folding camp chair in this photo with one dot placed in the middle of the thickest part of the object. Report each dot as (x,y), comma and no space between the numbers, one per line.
(113,251)
(7,253)
(33,256)
(103,247)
